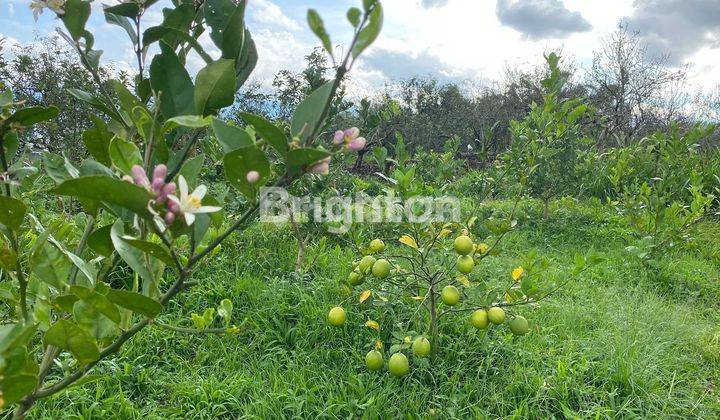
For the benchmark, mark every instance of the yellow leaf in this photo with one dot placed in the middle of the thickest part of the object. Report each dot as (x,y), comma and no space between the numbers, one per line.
(365,295)
(509,298)
(372,324)
(378,345)
(517,273)
(482,248)
(418,297)
(408,339)
(443,233)
(464,280)
(406,240)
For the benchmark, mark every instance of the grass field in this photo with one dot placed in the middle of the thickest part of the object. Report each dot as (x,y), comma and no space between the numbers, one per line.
(618,342)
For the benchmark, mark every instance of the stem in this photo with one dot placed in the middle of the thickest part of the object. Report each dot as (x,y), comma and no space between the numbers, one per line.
(186,153)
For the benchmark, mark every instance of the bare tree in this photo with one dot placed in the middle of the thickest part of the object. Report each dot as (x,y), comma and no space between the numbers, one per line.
(627,84)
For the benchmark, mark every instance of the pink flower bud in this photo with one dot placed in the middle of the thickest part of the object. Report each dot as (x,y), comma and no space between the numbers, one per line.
(169,188)
(357,144)
(352,133)
(139,176)
(321,167)
(338,137)
(252,176)
(160,172)
(157,185)
(173,206)
(169,218)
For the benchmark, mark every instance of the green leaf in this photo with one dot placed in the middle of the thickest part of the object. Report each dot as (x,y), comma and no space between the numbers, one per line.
(135,302)
(353,15)
(191,121)
(97,140)
(131,255)
(26,117)
(171,81)
(12,212)
(191,168)
(93,321)
(370,32)
(15,335)
(68,336)
(269,131)
(297,159)
(124,154)
(130,10)
(50,265)
(226,21)
(247,60)
(59,168)
(230,137)
(97,301)
(15,387)
(241,161)
(100,242)
(318,27)
(307,114)
(11,143)
(109,190)
(173,30)
(157,33)
(151,248)
(96,103)
(75,17)
(215,86)
(225,310)
(121,21)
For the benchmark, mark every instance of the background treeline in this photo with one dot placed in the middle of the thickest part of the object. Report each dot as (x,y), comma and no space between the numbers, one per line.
(635,113)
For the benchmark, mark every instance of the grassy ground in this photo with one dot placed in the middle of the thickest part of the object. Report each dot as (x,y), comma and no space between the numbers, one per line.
(617,343)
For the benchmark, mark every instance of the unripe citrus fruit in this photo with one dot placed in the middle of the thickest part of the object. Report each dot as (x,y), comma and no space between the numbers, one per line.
(398,365)
(374,360)
(464,245)
(465,264)
(479,319)
(421,347)
(381,268)
(519,325)
(355,278)
(336,316)
(496,315)
(366,264)
(450,295)
(377,245)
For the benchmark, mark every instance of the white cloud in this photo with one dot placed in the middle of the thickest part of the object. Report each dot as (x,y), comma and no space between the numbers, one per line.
(269,13)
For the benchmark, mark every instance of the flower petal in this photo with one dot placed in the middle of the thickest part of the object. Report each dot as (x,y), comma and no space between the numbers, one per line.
(183,188)
(207,209)
(189,218)
(200,191)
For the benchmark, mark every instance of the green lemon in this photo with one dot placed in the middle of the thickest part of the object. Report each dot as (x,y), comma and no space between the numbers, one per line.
(496,315)
(519,325)
(336,316)
(450,295)
(398,365)
(381,268)
(465,264)
(377,245)
(464,245)
(374,360)
(355,278)
(366,264)
(421,347)
(479,319)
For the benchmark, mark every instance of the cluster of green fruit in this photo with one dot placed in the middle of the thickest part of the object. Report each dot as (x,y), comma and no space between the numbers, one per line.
(481,318)
(379,268)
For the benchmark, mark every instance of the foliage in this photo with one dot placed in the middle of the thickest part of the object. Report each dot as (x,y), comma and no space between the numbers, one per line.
(145,229)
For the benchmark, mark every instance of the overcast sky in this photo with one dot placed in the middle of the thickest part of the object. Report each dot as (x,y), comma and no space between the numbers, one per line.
(449,39)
